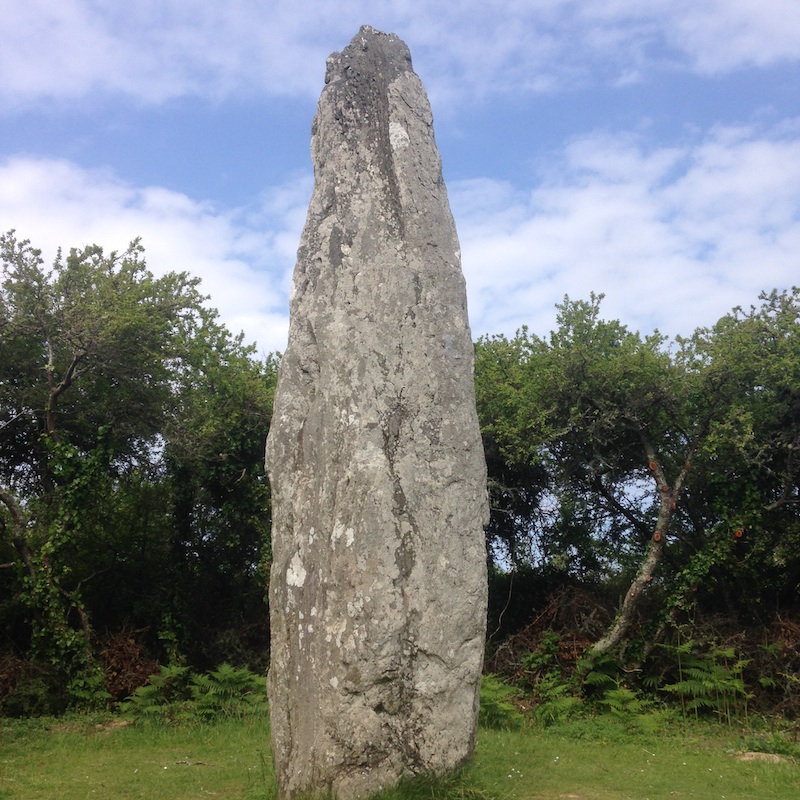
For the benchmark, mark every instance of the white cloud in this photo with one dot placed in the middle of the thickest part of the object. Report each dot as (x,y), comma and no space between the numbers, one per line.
(714,35)
(722,35)
(675,237)
(153,50)
(244,256)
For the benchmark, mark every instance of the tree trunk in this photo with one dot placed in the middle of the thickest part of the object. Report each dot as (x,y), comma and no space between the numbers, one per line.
(18,523)
(668,498)
(18,530)
(57,389)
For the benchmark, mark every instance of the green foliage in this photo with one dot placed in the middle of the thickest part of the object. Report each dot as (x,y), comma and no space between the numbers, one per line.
(622,702)
(132,484)
(92,342)
(87,691)
(177,694)
(166,698)
(228,691)
(133,492)
(585,407)
(544,657)
(667,467)
(601,671)
(779,742)
(556,700)
(498,711)
(709,681)
(559,707)
(610,689)
(553,692)
(36,694)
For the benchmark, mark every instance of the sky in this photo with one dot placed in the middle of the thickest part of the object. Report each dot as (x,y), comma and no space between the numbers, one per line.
(648,150)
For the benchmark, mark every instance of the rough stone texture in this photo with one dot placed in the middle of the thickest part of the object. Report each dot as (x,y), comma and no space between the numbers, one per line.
(378,582)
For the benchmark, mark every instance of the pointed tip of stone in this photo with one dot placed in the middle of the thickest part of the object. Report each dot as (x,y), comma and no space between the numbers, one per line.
(366,34)
(368,30)
(370,44)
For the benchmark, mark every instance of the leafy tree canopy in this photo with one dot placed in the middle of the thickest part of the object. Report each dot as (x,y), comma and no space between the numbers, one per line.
(613,455)
(132,428)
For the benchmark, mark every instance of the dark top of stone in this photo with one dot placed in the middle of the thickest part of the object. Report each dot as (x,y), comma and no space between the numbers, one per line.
(370,51)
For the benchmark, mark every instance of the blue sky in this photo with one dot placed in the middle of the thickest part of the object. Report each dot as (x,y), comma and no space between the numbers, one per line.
(645,149)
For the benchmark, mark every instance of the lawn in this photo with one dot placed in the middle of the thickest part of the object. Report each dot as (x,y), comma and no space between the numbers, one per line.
(606,761)
(67,760)
(588,759)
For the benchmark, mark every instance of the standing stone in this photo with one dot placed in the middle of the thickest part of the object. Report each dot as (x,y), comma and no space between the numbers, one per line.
(378,582)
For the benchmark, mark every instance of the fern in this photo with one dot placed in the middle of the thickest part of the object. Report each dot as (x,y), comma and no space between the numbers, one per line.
(497,711)
(708,682)
(558,709)
(601,680)
(622,702)
(557,701)
(177,694)
(228,691)
(166,698)
(599,672)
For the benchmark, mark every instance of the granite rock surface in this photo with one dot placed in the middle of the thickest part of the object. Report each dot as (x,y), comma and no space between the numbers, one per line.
(378,581)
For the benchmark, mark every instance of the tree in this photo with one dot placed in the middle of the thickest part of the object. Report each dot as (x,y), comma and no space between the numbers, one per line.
(87,345)
(115,385)
(745,495)
(600,410)
(647,459)
(86,378)
(214,457)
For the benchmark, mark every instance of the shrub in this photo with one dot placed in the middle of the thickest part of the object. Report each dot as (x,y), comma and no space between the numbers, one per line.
(176,694)
(228,691)
(30,689)
(166,698)
(498,711)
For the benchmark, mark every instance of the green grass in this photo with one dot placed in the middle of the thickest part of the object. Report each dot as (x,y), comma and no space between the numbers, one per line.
(608,761)
(586,759)
(77,759)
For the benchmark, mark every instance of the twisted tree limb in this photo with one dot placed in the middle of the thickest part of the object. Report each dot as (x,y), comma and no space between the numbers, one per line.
(668,498)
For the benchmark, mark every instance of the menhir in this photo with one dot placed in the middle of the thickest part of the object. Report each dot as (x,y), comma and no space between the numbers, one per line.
(378,581)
